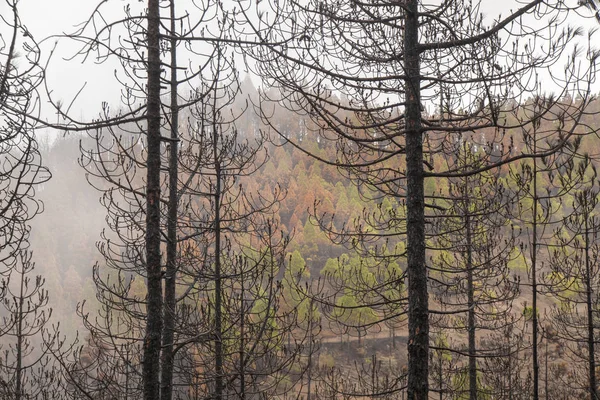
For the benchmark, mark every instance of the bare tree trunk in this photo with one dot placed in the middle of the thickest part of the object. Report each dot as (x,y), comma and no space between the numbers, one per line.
(510,375)
(546,368)
(441,377)
(171,272)
(471,306)
(534,320)
(218,300)
(418,307)
(152,339)
(242,364)
(310,350)
(590,321)
(20,316)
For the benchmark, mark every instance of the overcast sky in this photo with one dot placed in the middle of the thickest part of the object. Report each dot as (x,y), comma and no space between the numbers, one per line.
(45,18)
(53,17)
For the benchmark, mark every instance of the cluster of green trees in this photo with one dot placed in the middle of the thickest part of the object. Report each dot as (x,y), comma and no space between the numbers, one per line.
(247,231)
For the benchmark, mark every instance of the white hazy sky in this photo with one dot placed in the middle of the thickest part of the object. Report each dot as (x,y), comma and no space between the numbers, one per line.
(53,17)
(45,18)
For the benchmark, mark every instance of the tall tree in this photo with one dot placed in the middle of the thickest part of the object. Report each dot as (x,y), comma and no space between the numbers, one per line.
(154,311)
(234,254)
(26,370)
(541,185)
(365,73)
(20,170)
(142,220)
(220,240)
(170,300)
(470,278)
(574,277)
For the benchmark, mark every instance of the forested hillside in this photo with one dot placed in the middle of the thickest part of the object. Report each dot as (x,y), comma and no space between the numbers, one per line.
(316,206)
(404,207)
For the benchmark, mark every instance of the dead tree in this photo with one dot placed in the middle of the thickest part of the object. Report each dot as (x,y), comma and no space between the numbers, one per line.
(469,270)
(202,164)
(365,76)
(27,366)
(26,370)
(574,279)
(21,170)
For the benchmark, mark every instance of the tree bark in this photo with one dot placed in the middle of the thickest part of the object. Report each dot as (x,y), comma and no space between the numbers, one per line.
(590,316)
(470,304)
(418,307)
(534,319)
(19,356)
(171,271)
(218,300)
(152,338)
(242,361)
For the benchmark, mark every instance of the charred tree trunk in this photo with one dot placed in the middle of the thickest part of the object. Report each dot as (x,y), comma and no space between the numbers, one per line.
(19,355)
(534,288)
(171,271)
(590,317)
(218,300)
(152,339)
(242,361)
(471,307)
(418,308)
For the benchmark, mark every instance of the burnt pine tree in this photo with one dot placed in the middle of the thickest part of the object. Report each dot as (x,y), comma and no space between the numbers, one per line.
(154,320)
(139,154)
(20,171)
(365,75)
(540,185)
(202,309)
(141,60)
(234,256)
(469,274)
(142,55)
(170,301)
(27,367)
(149,116)
(574,279)
(26,370)
(508,376)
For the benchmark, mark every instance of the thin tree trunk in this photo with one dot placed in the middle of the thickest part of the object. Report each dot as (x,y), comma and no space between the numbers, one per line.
(546,368)
(441,375)
(242,364)
(152,338)
(310,349)
(471,306)
(20,316)
(218,300)
(510,373)
(418,307)
(590,321)
(534,320)
(127,378)
(171,271)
